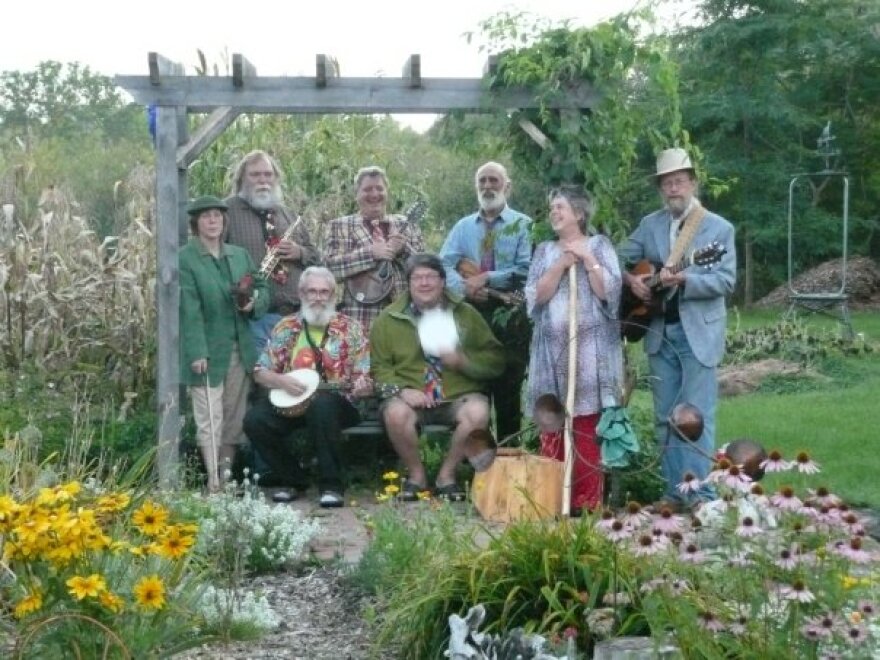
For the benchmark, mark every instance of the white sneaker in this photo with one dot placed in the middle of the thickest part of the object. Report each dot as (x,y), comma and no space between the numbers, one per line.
(331,500)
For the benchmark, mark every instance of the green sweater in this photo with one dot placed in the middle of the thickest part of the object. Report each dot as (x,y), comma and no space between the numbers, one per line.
(210,324)
(397,359)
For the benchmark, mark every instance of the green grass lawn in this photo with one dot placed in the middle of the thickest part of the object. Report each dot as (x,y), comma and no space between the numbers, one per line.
(835,419)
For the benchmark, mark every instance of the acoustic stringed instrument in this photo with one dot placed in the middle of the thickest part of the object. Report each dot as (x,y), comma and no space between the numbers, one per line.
(469,268)
(375,285)
(636,314)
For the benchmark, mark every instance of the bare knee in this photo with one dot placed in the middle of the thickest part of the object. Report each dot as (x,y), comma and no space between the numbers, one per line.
(474,414)
(399,419)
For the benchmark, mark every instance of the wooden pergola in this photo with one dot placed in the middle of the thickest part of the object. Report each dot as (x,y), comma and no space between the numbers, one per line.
(223,98)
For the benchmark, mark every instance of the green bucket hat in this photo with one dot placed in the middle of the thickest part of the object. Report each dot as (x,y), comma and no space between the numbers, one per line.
(204,203)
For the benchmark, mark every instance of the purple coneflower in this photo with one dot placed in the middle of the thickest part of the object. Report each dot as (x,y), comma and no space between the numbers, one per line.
(691,553)
(819,627)
(786,500)
(856,635)
(736,479)
(867,607)
(708,621)
(635,515)
(788,559)
(805,464)
(648,544)
(747,528)
(738,625)
(617,531)
(775,463)
(689,484)
(853,551)
(797,591)
(824,497)
(606,520)
(666,521)
(852,523)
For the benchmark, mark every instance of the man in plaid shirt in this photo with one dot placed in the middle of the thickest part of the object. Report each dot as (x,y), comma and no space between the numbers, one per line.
(257,220)
(370,239)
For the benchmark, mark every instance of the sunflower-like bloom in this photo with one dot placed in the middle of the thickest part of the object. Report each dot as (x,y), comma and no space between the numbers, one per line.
(150,592)
(150,518)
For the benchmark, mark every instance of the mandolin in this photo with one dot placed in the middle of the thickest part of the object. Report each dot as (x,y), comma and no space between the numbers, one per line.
(636,314)
(468,268)
(374,286)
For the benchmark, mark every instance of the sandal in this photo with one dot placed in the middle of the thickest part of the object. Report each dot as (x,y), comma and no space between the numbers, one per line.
(450,492)
(410,490)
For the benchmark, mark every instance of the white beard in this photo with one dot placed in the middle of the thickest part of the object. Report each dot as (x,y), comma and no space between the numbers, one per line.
(262,200)
(491,201)
(318,315)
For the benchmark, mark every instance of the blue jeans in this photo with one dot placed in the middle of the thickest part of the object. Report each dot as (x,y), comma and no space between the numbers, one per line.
(678,377)
(262,328)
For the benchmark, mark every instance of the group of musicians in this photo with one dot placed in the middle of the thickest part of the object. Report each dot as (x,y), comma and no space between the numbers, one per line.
(381,318)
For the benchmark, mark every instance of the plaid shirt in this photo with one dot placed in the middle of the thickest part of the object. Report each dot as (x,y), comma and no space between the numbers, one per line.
(348,251)
(245,228)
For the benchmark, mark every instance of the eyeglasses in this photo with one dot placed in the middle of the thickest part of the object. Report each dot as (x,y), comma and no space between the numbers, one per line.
(318,293)
(425,277)
(677,182)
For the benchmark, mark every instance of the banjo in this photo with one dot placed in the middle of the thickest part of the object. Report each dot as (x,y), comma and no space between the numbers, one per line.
(288,405)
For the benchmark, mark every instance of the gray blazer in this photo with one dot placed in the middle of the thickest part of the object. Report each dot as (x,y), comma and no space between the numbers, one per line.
(701,303)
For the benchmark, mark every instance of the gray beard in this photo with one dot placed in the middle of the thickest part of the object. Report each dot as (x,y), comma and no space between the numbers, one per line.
(678,208)
(316,316)
(492,205)
(262,201)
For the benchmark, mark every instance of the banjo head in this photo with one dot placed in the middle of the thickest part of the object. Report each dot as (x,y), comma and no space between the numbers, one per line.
(437,332)
(294,406)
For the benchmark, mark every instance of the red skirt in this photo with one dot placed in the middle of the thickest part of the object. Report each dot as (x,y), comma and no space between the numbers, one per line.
(587,478)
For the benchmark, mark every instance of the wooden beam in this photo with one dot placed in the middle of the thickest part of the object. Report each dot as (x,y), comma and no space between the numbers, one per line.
(534,132)
(162,66)
(412,71)
(204,136)
(296,95)
(326,67)
(241,69)
(167,298)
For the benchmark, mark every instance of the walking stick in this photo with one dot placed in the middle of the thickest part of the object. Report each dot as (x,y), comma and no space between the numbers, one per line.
(568,432)
(213,467)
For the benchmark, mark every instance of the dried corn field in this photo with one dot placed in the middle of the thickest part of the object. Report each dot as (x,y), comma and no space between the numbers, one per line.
(76,307)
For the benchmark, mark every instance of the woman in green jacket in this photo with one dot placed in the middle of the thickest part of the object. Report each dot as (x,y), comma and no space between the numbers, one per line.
(220,290)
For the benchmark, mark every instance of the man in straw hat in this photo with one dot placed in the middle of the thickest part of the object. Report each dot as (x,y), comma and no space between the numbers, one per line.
(685,342)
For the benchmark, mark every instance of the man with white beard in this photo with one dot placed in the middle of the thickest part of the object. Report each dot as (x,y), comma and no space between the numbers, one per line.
(486,256)
(333,344)
(257,221)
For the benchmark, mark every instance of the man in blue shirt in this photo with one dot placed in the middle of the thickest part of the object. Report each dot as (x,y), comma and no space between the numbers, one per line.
(486,257)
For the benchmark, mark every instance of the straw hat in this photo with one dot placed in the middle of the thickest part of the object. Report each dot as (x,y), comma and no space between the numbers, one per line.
(673,160)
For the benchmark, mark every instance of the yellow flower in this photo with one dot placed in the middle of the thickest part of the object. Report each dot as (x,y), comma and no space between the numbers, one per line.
(8,508)
(113,502)
(173,544)
(111,601)
(30,603)
(150,518)
(82,587)
(391,476)
(855,617)
(381,497)
(391,489)
(150,592)
(424,495)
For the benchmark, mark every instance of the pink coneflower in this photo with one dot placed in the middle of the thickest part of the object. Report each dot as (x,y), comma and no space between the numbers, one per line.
(786,500)
(787,559)
(824,497)
(707,621)
(689,484)
(666,521)
(635,515)
(617,531)
(775,463)
(855,635)
(852,523)
(805,464)
(648,544)
(718,471)
(606,519)
(747,528)
(867,607)
(853,551)
(797,591)
(736,479)
(691,553)
(819,627)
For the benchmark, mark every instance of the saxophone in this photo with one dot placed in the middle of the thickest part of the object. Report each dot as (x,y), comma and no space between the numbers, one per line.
(243,290)
(270,261)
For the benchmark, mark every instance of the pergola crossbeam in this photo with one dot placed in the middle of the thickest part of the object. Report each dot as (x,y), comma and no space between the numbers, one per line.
(217,122)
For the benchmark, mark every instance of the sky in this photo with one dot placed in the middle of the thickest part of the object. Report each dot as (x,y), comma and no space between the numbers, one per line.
(279,37)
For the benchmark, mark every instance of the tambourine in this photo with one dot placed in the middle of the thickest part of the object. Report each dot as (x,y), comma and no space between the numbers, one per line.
(437,332)
(286,404)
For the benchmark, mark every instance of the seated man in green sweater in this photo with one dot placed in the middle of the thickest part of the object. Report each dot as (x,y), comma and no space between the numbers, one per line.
(432,359)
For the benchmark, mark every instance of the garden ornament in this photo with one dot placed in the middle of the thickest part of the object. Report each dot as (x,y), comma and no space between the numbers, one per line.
(617,437)
(687,421)
(748,454)
(549,413)
(480,447)
(467,643)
